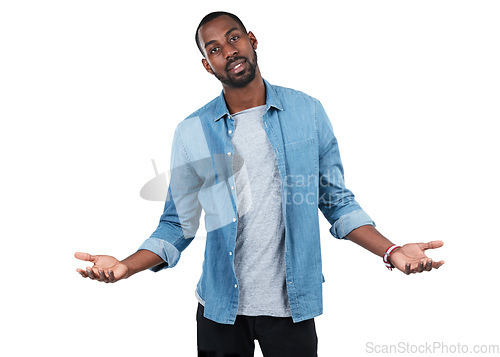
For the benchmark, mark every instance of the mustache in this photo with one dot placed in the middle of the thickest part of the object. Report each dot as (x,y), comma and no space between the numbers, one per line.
(234,59)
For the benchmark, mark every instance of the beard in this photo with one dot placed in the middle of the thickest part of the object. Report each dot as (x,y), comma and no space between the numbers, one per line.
(242,78)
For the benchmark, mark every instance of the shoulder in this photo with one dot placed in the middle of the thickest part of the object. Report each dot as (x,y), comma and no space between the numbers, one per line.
(286,93)
(199,115)
(204,110)
(295,101)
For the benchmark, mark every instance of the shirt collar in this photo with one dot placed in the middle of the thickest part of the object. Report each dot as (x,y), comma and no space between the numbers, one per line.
(272,100)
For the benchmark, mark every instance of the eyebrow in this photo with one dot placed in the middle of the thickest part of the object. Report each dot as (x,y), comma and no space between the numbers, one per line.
(225,35)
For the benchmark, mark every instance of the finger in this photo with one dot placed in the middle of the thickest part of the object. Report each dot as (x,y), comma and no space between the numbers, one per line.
(102,276)
(82,273)
(432,245)
(420,267)
(436,265)
(407,268)
(90,273)
(86,256)
(428,265)
(111,276)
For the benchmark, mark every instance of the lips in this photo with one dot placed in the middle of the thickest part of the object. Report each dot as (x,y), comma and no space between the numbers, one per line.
(235,65)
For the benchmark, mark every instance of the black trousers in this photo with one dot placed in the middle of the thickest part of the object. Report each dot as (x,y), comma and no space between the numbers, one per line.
(277,336)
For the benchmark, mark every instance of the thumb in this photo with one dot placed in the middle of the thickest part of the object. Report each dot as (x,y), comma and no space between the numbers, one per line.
(86,256)
(432,245)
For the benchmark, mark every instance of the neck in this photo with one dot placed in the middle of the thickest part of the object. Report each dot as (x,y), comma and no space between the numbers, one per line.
(249,96)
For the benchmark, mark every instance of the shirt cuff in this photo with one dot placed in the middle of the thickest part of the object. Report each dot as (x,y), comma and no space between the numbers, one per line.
(349,222)
(164,249)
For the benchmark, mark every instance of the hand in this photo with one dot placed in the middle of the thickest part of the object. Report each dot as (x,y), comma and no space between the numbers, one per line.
(410,258)
(106,268)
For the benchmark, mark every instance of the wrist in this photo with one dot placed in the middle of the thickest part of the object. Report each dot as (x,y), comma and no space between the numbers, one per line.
(396,250)
(387,255)
(128,269)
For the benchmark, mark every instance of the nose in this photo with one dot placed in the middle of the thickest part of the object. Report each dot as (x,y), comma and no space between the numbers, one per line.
(230,51)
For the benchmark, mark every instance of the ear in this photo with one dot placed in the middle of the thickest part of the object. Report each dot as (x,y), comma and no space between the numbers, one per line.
(207,66)
(253,40)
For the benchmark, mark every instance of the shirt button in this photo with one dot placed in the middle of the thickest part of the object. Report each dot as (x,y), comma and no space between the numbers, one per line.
(234,219)
(229,131)
(230,253)
(232,187)
(235,285)
(229,154)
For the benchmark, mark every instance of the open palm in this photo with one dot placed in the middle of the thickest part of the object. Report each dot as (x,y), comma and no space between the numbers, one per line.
(411,258)
(106,268)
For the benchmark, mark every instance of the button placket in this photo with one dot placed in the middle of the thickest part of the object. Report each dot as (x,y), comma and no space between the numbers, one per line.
(229,154)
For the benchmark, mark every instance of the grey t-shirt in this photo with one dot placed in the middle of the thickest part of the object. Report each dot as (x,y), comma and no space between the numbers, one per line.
(259,257)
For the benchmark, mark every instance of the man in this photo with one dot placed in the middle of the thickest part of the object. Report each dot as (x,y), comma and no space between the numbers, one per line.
(259,160)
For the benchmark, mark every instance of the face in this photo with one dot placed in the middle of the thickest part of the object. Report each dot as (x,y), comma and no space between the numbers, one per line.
(229,52)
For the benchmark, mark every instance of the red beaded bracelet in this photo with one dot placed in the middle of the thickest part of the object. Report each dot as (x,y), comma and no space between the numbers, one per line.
(388,252)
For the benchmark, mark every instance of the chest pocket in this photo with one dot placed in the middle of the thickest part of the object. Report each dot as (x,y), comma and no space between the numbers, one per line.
(301,158)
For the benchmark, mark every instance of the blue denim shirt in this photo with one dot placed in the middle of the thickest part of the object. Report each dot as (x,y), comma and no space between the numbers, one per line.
(202,177)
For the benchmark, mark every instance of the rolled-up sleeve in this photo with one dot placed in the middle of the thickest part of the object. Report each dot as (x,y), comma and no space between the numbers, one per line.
(335,201)
(181,215)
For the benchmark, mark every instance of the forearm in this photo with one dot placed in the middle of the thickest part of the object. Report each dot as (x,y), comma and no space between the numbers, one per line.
(141,260)
(369,238)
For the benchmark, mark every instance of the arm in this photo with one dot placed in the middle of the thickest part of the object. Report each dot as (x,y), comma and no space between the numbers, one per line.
(181,215)
(369,238)
(335,201)
(141,260)
(348,219)
(176,229)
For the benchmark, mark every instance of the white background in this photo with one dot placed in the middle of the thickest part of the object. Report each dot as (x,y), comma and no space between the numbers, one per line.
(91,91)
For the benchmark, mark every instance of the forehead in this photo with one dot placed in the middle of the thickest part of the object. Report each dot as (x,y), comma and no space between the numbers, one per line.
(217,28)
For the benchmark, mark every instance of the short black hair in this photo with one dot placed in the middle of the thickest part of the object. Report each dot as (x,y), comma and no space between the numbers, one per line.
(210,17)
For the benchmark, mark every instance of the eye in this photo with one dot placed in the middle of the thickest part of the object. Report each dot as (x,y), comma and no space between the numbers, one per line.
(234,38)
(214,50)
